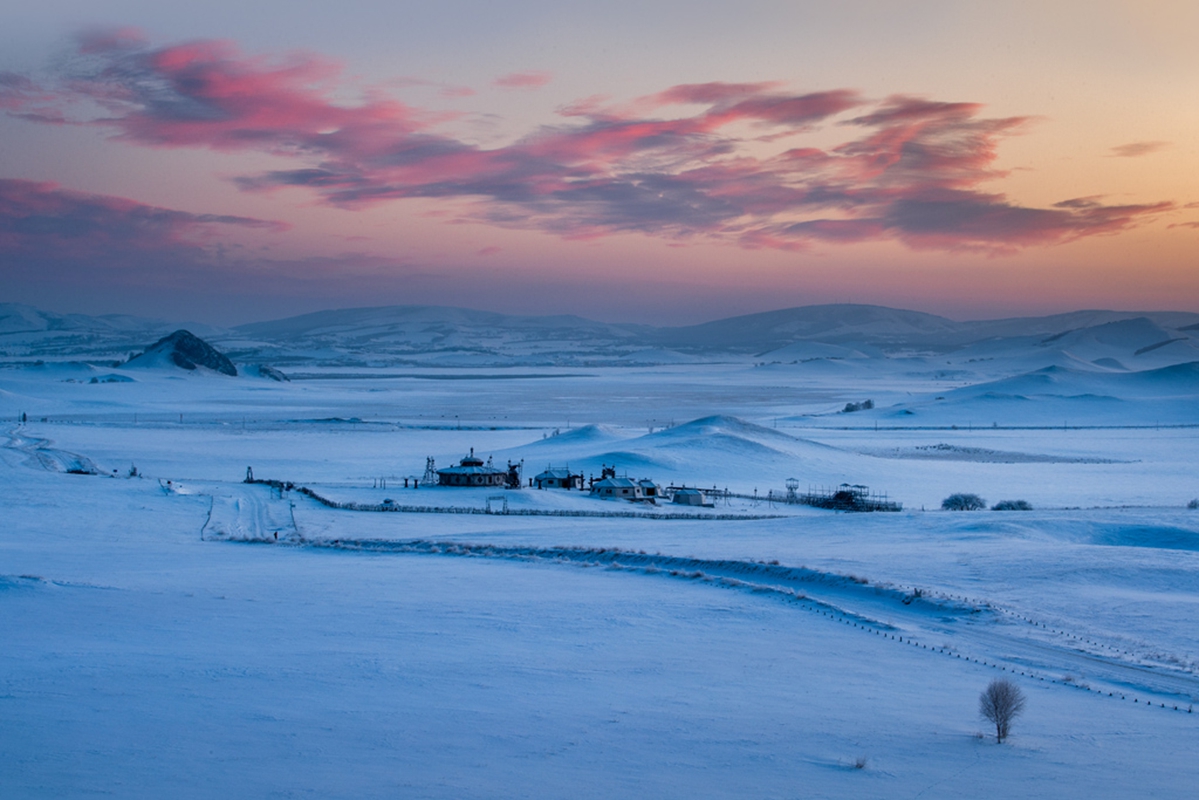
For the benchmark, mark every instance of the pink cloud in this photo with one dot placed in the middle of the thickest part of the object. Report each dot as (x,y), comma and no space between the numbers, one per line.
(208,94)
(490,250)
(909,169)
(523,80)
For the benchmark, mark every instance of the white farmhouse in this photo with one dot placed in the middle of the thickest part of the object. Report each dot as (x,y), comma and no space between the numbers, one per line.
(613,488)
(558,478)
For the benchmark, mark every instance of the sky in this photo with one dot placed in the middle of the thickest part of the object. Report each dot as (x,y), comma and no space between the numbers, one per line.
(654,162)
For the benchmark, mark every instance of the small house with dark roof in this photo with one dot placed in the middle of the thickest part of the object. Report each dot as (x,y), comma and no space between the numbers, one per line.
(472,471)
(558,478)
(613,488)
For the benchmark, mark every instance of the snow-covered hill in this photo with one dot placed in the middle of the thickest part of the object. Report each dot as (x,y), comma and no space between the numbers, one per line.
(432,335)
(868,339)
(28,333)
(755,647)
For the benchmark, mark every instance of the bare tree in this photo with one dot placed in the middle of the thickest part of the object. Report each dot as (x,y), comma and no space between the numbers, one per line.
(1001,703)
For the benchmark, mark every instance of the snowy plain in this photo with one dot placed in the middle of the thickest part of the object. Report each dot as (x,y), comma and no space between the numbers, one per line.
(159,640)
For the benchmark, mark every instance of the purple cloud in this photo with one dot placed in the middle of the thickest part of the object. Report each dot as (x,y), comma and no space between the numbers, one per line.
(44,226)
(89,246)
(910,170)
(33,213)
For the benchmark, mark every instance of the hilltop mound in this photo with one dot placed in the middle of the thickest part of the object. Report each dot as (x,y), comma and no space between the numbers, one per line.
(185,350)
(728,437)
(721,424)
(1130,334)
(1177,379)
(588,434)
(1120,339)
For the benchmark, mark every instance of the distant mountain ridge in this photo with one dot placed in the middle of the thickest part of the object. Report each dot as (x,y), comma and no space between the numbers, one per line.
(388,318)
(883,326)
(832,324)
(29,331)
(458,337)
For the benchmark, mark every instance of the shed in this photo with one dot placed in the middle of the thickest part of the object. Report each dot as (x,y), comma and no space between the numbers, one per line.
(690,497)
(558,478)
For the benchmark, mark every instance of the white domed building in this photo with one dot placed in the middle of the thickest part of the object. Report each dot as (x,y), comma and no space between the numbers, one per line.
(472,471)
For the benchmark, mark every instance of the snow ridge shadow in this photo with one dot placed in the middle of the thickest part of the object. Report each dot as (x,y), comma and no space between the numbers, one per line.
(951,626)
(838,592)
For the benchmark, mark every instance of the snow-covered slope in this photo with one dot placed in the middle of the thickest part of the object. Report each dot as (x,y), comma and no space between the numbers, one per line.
(574,647)
(27,332)
(835,324)
(435,335)
(444,337)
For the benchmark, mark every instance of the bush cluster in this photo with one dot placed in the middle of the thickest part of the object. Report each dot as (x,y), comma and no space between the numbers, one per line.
(963,502)
(1012,505)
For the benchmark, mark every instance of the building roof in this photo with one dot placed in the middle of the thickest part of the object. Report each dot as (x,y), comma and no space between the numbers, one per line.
(472,470)
(560,473)
(472,465)
(616,483)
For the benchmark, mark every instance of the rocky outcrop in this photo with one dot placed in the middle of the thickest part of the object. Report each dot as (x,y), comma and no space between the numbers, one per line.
(186,351)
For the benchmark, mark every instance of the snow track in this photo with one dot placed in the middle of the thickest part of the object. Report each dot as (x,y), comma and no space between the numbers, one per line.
(250,515)
(43,456)
(951,627)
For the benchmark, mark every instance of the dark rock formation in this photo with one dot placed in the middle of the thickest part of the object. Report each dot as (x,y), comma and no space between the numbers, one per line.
(264,371)
(187,351)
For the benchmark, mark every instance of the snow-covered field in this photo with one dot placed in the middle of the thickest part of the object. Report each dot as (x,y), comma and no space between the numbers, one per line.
(211,638)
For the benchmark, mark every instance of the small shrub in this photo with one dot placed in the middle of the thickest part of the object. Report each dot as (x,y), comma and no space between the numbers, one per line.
(1012,505)
(1194,504)
(1000,703)
(860,762)
(865,405)
(963,502)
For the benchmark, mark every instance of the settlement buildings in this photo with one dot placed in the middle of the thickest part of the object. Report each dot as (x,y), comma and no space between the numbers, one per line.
(473,472)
